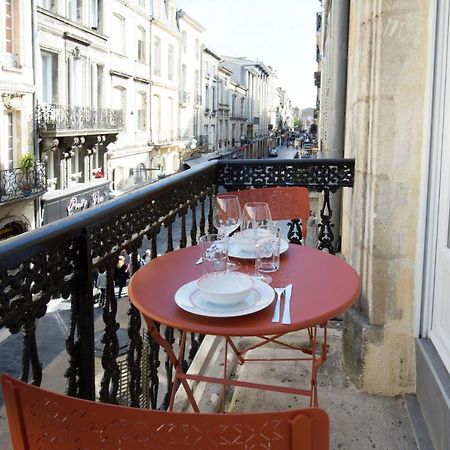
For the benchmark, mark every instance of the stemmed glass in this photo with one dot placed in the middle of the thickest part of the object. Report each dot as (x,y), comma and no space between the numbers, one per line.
(227,218)
(256,221)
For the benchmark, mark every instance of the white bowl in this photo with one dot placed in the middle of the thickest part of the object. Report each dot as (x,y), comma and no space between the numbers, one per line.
(246,240)
(225,288)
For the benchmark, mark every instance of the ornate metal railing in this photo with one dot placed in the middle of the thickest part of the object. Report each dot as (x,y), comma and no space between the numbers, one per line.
(59,260)
(15,184)
(77,118)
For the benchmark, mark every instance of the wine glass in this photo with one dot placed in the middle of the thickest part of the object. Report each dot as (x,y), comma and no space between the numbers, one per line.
(227,218)
(256,223)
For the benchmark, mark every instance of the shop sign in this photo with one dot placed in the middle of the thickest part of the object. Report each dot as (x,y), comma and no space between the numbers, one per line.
(97,197)
(76,205)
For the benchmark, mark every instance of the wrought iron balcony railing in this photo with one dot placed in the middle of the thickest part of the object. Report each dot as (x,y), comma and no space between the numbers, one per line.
(52,118)
(16,185)
(59,260)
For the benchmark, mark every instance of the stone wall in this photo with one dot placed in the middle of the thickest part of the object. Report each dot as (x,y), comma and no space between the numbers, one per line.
(388,45)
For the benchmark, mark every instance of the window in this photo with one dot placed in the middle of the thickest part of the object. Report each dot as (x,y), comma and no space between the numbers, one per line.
(8,24)
(170,62)
(49,77)
(140,174)
(11,133)
(197,49)
(156,117)
(157,8)
(206,97)
(206,68)
(183,77)
(171,119)
(196,84)
(77,81)
(119,102)
(48,4)
(141,45)
(157,56)
(97,71)
(213,104)
(75,10)
(142,111)
(118,34)
(94,14)
(184,41)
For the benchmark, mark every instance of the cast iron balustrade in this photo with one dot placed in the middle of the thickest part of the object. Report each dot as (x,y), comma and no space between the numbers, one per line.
(53,118)
(16,185)
(59,260)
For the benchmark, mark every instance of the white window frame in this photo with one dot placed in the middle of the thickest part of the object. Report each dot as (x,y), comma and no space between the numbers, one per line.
(157,56)
(11,139)
(140,43)
(170,62)
(118,34)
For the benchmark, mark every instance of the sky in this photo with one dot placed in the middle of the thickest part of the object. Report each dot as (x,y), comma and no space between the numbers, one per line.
(282,33)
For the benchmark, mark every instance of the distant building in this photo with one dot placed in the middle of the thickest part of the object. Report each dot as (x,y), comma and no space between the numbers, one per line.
(19,192)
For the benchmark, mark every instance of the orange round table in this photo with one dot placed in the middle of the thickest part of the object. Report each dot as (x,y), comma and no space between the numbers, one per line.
(323,286)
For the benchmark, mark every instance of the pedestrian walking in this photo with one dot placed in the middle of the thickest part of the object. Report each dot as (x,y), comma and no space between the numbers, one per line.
(147,256)
(121,274)
(101,284)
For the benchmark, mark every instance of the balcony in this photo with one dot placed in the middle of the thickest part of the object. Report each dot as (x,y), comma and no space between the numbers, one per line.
(15,185)
(57,119)
(107,355)
(223,107)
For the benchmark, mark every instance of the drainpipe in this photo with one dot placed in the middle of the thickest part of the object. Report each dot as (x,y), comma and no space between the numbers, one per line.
(34,49)
(337,73)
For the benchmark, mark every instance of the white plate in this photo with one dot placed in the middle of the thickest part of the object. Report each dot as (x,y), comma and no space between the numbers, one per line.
(189,298)
(235,251)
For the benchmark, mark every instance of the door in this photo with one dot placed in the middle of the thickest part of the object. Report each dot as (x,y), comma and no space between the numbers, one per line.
(440,323)
(439,220)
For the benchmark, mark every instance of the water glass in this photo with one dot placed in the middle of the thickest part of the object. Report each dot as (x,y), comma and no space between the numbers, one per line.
(268,250)
(214,253)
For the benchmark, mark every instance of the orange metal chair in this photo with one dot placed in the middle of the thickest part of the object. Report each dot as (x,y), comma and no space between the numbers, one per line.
(40,419)
(286,203)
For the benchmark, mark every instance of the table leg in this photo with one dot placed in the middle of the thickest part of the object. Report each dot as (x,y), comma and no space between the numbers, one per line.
(177,363)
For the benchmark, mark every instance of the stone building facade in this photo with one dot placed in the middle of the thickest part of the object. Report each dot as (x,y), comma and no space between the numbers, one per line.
(395,220)
(18,211)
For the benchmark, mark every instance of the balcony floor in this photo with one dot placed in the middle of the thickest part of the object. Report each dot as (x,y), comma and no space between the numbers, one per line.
(358,421)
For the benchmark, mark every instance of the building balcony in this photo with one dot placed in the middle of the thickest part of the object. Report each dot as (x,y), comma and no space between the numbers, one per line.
(60,120)
(238,118)
(105,354)
(223,107)
(15,185)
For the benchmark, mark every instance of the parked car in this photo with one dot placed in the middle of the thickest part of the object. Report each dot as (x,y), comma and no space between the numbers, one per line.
(307,146)
(273,153)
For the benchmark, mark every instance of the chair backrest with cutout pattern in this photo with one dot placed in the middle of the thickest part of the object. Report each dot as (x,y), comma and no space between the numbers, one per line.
(40,419)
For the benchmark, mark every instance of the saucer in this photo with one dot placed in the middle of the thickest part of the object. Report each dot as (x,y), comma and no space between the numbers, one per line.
(189,298)
(235,251)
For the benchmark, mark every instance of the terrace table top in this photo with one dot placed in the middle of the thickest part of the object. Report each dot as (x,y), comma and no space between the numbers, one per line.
(324,286)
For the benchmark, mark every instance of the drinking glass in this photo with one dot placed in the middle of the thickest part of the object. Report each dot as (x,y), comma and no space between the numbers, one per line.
(256,224)
(227,218)
(214,253)
(267,258)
